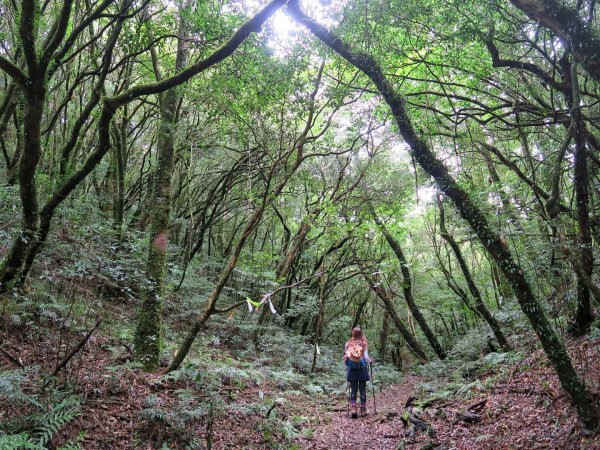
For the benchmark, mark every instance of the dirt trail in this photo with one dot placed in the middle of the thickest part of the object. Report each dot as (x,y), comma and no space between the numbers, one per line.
(383,430)
(523,407)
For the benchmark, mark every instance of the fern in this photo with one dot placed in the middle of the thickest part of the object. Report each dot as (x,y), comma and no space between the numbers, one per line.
(10,387)
(154,415)
(40,420)
(57,416)
(10,384)
(20,441)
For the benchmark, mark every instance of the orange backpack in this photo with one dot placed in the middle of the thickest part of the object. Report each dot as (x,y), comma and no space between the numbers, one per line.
(355,352)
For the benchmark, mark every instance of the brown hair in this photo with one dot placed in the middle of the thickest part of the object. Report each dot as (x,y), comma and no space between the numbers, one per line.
(357,335)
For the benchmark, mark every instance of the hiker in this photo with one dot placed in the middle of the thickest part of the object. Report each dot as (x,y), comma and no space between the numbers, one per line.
(356,358)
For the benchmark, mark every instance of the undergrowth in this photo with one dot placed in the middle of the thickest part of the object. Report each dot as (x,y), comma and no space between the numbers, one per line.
(34,419)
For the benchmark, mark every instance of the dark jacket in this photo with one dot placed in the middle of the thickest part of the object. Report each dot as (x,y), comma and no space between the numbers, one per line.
(357,371)
(359,374)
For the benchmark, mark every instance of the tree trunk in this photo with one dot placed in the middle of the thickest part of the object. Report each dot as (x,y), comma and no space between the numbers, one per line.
(410,339)
(318,328)
(407,287)
(584,257)
(121,164)
(552,345)
(383,336)
(359,312)
(32,119)
(479,303)
(148,334)
(13,167)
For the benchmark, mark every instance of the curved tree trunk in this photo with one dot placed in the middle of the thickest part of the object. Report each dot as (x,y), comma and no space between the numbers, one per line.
(407,287)
(479,304)
(410,339)
(32,119)
(552,345)
(33,85)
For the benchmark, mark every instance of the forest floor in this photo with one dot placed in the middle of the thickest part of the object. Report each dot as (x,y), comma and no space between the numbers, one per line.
(518,406)
(523,408)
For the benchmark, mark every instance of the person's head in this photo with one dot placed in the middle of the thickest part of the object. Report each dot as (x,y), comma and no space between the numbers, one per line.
(357,334)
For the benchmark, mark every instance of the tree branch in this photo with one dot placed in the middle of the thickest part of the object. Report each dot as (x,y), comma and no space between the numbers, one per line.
(13,71)
(76,349)
(26,32)
(253,25)
(565,22)
(59,30)
(497,61)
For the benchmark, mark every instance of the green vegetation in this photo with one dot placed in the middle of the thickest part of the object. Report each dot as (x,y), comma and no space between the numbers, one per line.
(210,195)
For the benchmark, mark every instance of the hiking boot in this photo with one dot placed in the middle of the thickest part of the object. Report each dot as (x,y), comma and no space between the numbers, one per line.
(354,414)
(363,410)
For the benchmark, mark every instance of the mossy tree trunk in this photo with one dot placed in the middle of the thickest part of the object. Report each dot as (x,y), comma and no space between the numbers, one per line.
(402,327)
(33,86)
(407,286)
(553,347)
(148,331)
(47,211)
(32,119)
(584,257)
(480,306)
(148,334)
(8,111)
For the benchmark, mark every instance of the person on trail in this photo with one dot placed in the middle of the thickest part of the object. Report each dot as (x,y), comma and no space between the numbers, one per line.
(356,358)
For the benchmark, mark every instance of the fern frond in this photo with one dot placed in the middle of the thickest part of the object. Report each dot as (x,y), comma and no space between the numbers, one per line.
(59,415)
(10,387)
(20,441)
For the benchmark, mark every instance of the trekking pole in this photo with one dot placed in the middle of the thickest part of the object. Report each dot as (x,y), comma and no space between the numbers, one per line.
(348,409)
(373,386)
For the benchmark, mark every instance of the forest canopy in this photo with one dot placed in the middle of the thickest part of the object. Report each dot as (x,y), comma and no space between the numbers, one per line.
(419,168)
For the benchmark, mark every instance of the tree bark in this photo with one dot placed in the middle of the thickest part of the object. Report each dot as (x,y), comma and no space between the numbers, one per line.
(584,257)
(148,334)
